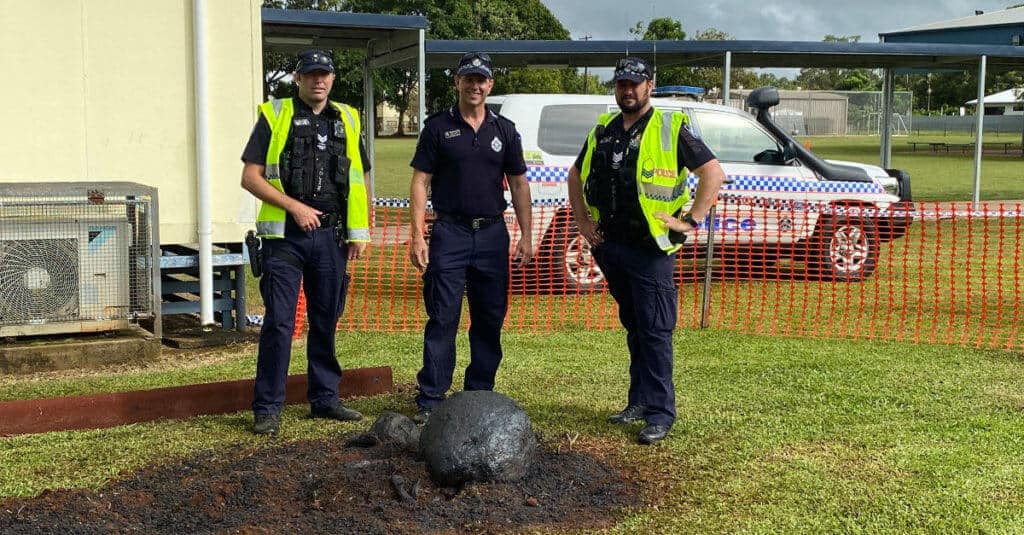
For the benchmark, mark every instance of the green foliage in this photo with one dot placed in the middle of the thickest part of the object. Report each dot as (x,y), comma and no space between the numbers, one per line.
(659,29)
(544,81)
(276,65)
(472,19)
(839,79)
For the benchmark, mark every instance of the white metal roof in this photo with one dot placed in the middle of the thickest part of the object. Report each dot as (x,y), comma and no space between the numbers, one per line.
(992,18)
(1010,96)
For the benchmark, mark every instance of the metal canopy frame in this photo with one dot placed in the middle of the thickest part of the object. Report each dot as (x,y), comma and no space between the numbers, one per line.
(399,40)
(773,54)
(890,57)
(387,40)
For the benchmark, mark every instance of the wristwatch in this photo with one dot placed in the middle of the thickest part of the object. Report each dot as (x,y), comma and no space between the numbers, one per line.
(688,217)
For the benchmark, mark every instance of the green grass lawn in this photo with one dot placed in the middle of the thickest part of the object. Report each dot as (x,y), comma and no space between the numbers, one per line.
(934,177)
(773,435)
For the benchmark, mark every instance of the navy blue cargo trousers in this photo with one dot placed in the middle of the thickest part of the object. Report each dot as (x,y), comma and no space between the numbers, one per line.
(318,262)
(642,283)
(475,261)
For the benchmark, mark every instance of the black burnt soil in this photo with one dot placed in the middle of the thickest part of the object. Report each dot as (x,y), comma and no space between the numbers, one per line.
(321,486)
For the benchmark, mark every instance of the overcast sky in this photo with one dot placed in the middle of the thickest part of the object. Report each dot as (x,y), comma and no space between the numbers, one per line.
(783,20)
(788,20)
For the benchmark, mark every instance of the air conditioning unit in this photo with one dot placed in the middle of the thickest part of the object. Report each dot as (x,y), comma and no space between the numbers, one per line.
(63,275)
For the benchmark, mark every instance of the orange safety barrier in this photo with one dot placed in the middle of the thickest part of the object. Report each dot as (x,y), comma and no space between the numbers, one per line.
(946,273)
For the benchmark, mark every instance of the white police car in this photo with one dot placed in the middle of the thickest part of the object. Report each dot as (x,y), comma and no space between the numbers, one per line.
(781,200)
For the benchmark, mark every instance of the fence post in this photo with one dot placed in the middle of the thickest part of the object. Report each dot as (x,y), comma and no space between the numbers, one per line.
(706,298)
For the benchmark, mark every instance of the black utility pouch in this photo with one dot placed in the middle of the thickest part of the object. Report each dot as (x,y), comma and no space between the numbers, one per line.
(342,166)
(598,188)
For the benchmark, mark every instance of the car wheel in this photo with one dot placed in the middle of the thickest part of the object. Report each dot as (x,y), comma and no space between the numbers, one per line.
(844,249)
(576,263)
(567,258)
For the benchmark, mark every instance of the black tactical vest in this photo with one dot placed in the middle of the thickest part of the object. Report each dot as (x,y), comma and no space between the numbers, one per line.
(313,164)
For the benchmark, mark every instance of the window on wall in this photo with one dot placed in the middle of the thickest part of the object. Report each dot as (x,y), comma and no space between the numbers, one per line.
(733,138)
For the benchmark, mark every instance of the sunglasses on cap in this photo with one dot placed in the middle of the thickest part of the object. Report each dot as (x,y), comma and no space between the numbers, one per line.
(633,66)
(482,56)
(318,58)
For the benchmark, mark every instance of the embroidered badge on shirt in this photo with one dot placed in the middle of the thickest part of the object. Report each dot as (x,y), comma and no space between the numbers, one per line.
(452,133)
(339,129)
(302,121)
(496,145)
(321,142)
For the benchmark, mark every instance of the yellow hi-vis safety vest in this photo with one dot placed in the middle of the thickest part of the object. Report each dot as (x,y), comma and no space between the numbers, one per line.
(270,221)
(661,185)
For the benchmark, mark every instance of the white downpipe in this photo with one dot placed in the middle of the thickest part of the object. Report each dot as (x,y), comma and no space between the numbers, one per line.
(727,78)
(421,66)
(979,132)
(203,165)
(885,121)
(370,124)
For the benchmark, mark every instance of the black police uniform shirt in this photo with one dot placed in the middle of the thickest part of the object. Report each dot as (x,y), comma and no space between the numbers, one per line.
(259,142)
(624,148)
(469,167)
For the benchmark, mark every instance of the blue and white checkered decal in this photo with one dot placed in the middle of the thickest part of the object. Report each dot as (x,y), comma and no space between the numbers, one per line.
(544,173)
(538,173)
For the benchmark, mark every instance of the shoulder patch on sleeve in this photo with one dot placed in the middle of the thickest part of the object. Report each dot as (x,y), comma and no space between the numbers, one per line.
(432,117)
(506,120)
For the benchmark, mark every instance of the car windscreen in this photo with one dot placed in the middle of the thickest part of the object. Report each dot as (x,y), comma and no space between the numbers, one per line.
(564,128)
(731,137)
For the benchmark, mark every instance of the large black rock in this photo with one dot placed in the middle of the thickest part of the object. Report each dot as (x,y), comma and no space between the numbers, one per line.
(477,436)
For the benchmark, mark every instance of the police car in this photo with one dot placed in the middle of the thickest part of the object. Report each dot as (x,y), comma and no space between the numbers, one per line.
(780,200)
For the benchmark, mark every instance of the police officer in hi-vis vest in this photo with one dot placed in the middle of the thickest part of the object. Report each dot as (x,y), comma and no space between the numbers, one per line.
(628,179)
(306,163)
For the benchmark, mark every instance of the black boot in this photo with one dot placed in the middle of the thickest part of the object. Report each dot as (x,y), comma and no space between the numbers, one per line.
(632,413)
(653,433)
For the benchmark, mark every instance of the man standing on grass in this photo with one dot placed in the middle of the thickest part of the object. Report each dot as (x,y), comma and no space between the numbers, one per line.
(630,175)
(465,154)
(306,162)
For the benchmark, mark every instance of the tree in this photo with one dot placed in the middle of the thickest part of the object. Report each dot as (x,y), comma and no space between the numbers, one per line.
(766,79)
(659,29)
(663,29)
(839,79)
(475,19)
(711,77)
(276,65)
(396,88)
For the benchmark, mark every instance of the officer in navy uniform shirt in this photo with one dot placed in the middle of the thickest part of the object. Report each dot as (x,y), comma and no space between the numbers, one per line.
(464,155)
(640,274)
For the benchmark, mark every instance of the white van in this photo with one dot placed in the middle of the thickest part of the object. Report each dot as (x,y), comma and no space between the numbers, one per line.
(780,199)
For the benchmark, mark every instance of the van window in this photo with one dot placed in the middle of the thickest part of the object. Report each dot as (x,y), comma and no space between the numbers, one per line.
(494,108)
(564,128)
(733,138)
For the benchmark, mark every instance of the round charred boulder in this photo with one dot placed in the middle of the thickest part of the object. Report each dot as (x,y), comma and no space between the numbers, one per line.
(477,436)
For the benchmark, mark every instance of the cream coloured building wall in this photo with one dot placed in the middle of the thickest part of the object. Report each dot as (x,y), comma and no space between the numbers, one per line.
(104,90)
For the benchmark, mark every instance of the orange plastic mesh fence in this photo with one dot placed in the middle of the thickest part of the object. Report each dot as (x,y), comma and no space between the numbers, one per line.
(924,272)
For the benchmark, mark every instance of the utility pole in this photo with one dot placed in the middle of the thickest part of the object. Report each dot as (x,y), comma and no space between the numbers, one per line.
(586,72)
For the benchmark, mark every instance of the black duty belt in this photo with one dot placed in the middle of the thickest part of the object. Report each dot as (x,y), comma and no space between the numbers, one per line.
(475,223)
